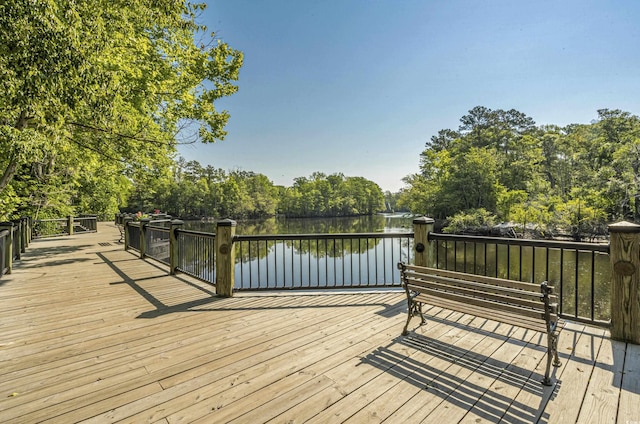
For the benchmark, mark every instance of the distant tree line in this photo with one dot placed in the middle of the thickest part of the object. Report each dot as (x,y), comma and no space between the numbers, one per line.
(498,166)
(331,195)
(188,189)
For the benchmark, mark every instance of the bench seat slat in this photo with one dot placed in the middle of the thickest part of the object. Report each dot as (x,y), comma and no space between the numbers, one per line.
(531,300)
(475,310)
(487,303)
(475,278)
(532,292)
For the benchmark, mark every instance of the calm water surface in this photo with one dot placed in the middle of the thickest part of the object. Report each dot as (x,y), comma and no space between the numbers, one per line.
(282,225)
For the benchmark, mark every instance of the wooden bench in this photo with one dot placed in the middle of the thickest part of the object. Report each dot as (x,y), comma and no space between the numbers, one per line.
(527,305)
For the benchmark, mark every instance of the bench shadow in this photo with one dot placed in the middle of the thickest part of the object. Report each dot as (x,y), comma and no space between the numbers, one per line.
(396,359)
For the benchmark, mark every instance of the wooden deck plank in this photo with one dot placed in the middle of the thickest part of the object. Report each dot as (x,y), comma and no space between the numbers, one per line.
(575,374)
(444,374)
(395,363)
(91,333)
(313,327)
(603,393)
(284,361)
(188,388)
(165,343)
(327,368)
(629,404)
(523,373)
(451,350)
(488,364)
(121,341)
(528,405)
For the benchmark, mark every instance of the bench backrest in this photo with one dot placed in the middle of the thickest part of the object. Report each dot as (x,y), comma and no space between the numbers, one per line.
(513,297)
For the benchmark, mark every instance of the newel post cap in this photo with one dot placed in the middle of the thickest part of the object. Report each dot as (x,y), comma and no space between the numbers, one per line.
(423,220)
(624,227)
(226,223)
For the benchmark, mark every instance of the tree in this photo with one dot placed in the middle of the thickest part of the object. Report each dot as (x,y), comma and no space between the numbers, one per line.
(333,195)
(573,177)
(120,82)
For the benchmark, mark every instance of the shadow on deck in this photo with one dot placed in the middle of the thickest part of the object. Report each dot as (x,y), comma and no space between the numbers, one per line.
(73,348)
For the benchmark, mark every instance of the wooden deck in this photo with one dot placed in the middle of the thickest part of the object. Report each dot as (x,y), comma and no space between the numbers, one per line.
(90,333)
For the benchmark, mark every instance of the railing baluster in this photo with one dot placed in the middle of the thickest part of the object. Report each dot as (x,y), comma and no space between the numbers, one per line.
(577,285)
(515,266)
(593,285)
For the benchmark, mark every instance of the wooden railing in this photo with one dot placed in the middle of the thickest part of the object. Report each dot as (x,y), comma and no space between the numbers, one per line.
(70,225)
(267,262)
(14,239)
(595,285)
(581,272)
(621,271)
(16,235)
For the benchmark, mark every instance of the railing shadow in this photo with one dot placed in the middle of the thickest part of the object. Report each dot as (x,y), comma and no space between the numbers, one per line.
(461,392)
(160,308)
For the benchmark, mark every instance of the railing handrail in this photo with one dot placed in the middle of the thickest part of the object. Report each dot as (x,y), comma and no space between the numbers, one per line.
(322,236)
(159,229)
(550,244)
(576,284)
(157,221)
(196,232)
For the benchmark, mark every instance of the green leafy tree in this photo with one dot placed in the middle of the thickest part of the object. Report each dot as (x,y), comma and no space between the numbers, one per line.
(333,195)
(569,179)
(117,82)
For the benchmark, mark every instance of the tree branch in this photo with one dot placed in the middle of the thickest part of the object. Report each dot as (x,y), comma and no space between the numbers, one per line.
(129,137)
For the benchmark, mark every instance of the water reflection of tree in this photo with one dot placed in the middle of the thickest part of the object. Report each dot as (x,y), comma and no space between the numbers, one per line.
(282,225)
(197,255)
(321,247)
(247,251)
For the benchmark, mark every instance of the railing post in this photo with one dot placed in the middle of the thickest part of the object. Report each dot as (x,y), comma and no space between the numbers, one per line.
(17,239)
(24,242)
(125,223)
(70,224)
(225,257)
(625,285)
(29,230)
(173,245)
(8,248)
(144,224)
(424,248)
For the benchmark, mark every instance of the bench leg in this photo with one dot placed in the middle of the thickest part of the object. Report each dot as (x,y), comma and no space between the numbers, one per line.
(552,356)
(556,359)
(414,309)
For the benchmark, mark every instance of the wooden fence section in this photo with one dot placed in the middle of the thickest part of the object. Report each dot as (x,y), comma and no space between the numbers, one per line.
(91,333)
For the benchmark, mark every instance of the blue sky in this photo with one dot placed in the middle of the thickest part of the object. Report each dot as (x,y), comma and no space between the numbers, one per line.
(359,87)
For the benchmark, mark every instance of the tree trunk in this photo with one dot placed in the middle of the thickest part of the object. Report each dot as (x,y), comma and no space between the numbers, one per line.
(12,166)
(8,173)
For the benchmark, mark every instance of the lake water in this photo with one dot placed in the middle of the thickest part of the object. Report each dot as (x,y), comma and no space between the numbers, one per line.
(282,225)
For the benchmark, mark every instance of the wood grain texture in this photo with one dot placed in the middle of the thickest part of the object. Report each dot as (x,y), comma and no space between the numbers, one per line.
(91,333)
(625,284)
